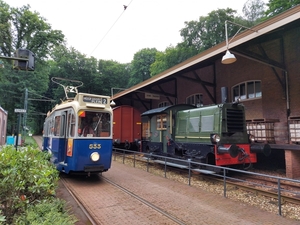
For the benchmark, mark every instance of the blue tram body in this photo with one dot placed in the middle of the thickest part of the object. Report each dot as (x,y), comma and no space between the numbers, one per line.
(78,134)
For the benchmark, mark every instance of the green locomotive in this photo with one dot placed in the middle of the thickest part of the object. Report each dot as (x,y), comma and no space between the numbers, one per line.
(215,135)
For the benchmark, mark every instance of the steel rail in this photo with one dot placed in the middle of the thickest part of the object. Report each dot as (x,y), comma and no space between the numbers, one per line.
(174,219)
(86,213)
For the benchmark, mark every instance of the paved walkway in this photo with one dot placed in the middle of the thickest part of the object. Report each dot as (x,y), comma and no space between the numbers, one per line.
(189,204)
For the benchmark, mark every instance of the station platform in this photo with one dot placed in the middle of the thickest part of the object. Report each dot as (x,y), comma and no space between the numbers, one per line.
(189,204)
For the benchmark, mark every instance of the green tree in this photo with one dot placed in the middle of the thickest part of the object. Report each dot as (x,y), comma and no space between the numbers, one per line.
(113,75)
(171,57)
(30,31)
(200,35)
(71,64)
(5,29)
(140,65)
(276,7)
(12,91)
(209,30)
(97,76)
(22,28)
(254,11)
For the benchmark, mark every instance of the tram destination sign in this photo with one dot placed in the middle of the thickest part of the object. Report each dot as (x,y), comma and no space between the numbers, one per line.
(97,100)
(20,110)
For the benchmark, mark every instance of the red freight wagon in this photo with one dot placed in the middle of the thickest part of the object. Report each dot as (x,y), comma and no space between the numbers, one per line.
(126,127)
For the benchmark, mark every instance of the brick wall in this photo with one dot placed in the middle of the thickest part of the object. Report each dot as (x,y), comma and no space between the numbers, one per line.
(292,161)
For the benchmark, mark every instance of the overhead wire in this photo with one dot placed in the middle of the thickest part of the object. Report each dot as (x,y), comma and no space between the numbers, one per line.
(44,98)
(125,7)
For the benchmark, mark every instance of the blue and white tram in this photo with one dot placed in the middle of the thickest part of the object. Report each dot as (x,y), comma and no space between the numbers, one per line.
(78,134)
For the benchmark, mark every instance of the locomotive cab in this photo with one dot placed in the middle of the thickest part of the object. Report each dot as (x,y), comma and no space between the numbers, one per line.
(158,129)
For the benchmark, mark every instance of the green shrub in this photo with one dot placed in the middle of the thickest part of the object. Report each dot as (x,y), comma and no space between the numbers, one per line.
(29,141)
(2,218)
(51,212)
(26,179)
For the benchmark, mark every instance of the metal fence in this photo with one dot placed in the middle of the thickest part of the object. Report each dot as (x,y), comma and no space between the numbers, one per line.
(190,167)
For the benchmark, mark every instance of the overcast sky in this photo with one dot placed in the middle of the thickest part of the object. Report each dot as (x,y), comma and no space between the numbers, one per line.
(103,29)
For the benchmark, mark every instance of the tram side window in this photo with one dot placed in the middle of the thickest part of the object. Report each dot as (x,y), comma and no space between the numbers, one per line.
(71,122)
(104,129)
(46,129)
(57,126)
(51,127)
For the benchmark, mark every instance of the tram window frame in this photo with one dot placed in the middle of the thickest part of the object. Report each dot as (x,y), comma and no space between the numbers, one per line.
(46,128)
(71,124)
(51,127)
(57,125)
(62,125)
(93,119)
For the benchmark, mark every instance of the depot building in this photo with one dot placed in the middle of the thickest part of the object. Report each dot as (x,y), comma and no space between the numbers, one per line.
(260,66)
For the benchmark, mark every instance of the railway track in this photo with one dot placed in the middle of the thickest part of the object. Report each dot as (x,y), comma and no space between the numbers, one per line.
(232,186)
(149,204)
(132,199)
(84,217)
(260,186)
(289,192)
(92,220)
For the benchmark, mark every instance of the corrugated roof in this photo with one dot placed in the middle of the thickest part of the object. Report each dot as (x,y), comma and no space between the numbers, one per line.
(154,111)
(162,109)
(261,29)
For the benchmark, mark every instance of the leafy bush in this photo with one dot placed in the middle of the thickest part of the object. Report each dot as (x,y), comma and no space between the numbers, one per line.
(26,179)
(2,218)
(47,213)
(29,141)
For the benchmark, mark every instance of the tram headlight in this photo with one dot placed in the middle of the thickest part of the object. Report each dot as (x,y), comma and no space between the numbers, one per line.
(214,138)
(95,156)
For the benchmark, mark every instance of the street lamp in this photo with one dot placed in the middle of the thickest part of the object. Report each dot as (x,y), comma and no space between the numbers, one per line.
(112,102)
(229,58)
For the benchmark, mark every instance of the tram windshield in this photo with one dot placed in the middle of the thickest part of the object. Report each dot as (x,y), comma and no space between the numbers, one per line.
(94,124)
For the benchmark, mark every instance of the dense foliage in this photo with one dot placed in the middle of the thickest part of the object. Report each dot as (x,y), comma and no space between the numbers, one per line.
(27,186)
(276,7)
(22,28)
(140,66)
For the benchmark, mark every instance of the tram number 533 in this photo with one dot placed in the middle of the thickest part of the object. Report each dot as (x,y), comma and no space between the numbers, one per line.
(95,146)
